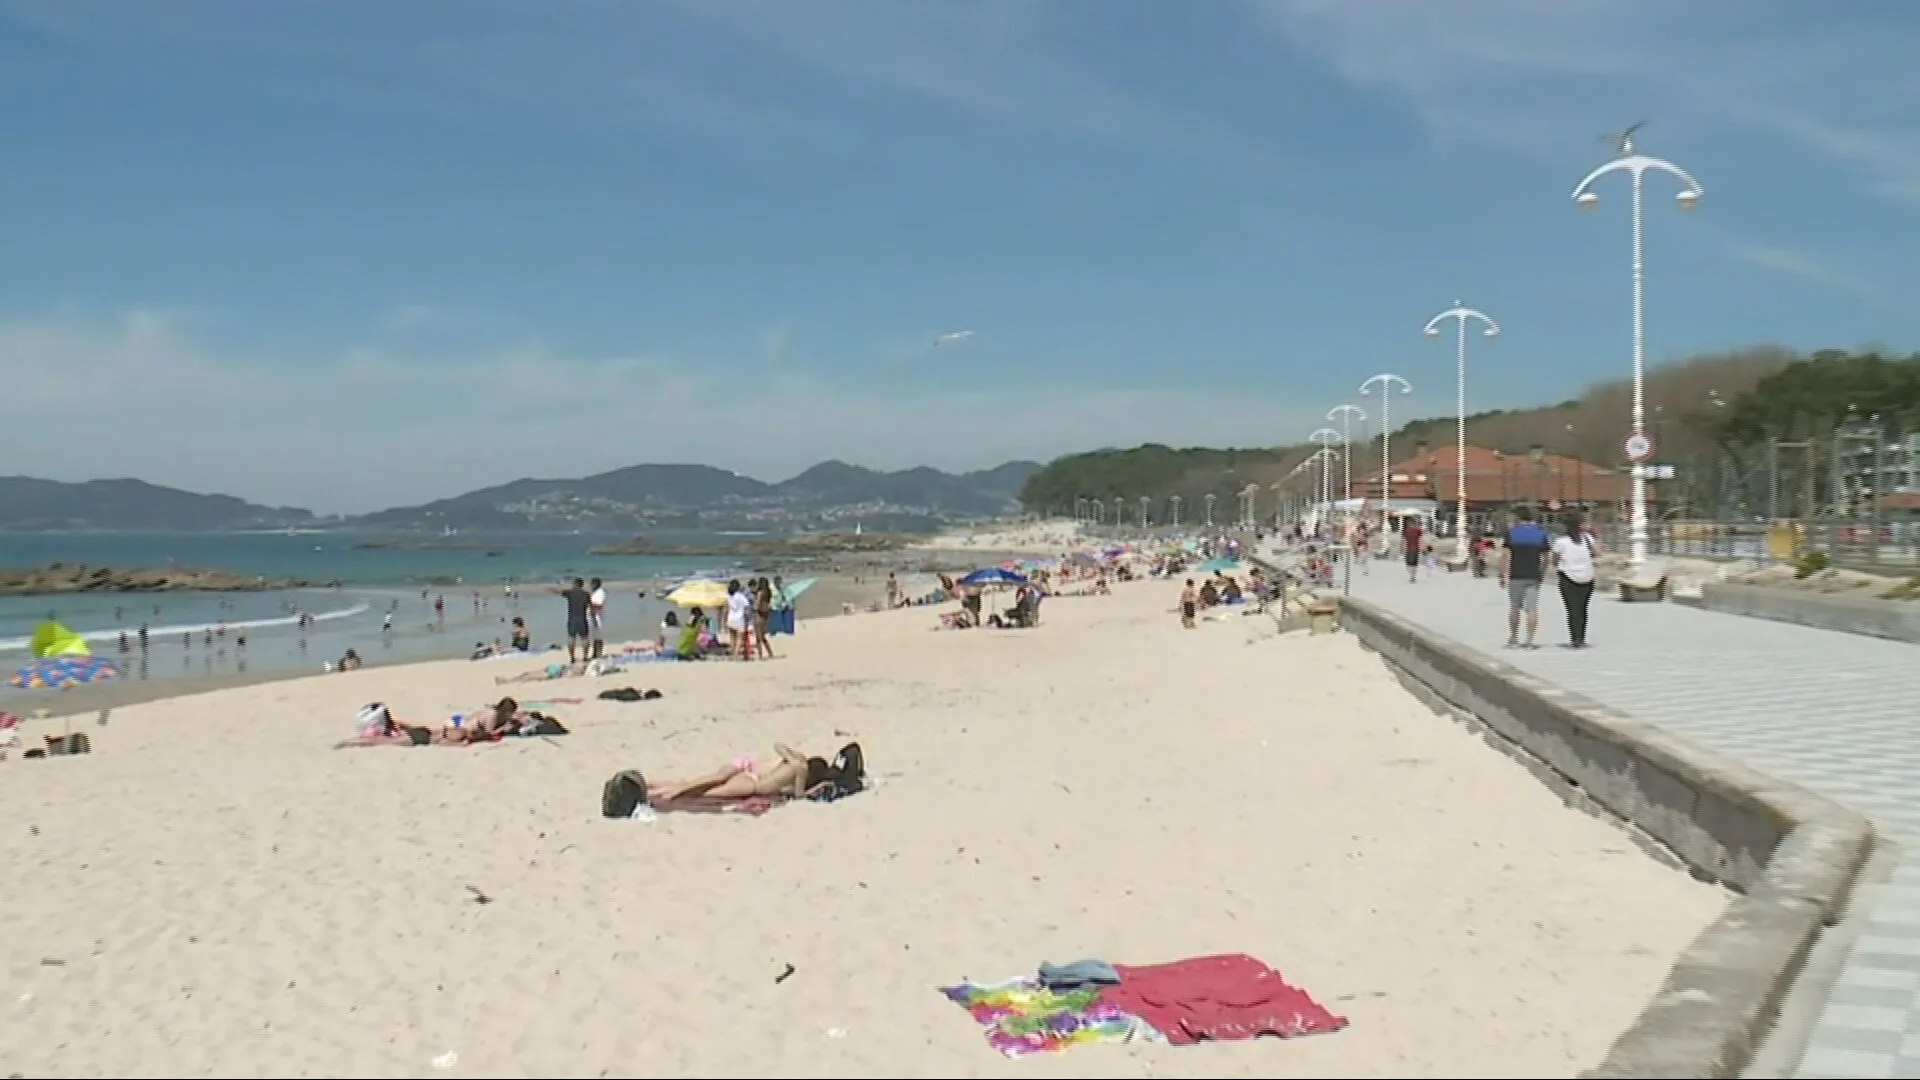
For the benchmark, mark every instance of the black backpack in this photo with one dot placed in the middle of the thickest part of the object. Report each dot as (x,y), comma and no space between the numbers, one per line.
(624,793)
(845,775)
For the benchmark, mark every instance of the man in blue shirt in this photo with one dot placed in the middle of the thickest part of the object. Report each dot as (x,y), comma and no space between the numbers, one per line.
(1521,571)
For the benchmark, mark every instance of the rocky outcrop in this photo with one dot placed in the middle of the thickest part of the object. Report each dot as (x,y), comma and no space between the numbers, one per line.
(798,545)
(57,578)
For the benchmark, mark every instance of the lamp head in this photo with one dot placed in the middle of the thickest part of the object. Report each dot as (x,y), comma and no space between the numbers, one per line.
(1586,200)
(1492,331)
(1433,331)
(1687,199)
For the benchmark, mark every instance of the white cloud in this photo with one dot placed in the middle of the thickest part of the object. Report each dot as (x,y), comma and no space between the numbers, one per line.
(1535,77)
(144,394)
(1807,267)
(1002,60)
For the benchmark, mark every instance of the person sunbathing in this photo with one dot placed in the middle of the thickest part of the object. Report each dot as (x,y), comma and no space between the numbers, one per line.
(489,723)
(545,674)
(794,775)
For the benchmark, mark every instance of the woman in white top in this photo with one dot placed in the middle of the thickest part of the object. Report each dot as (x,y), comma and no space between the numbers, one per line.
(738,605)
(1573,558)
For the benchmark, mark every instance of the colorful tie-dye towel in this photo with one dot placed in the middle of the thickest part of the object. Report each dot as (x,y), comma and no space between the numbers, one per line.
(1022,1017)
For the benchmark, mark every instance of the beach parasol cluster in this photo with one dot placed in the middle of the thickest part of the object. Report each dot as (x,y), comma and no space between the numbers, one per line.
(61,659)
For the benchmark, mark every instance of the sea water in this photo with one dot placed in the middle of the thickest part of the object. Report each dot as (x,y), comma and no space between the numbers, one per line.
(358,588)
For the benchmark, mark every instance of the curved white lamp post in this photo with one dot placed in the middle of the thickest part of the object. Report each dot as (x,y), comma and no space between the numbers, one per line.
(1461,315)
(1346,415)
(1637,165)
(1326,437)
(1386,380)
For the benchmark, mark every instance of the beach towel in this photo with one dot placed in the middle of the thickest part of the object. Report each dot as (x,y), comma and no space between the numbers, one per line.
(1022,1017)
(1230,996)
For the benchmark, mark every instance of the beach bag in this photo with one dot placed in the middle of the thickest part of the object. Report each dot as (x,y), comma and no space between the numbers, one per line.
(624,793)
(850,769)
(845,775)
(374,721)
(63,745)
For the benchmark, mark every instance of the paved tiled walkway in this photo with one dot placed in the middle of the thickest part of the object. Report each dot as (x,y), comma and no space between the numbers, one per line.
(1836,713)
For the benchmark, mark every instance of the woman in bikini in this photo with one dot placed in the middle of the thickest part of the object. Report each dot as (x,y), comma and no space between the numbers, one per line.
(762,618)
(793,775)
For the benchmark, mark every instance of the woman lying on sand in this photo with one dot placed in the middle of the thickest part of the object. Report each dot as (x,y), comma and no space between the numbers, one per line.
(795,775)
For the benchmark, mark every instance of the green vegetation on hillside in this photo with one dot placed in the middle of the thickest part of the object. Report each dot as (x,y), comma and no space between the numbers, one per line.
(1712,417)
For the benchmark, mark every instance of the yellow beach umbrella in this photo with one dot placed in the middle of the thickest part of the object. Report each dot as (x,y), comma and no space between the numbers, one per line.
(51,639)
(701,593)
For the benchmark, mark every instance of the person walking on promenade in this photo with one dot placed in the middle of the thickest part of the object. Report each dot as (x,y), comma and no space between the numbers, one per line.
(1574,560)
(1410,539)
(1521,570)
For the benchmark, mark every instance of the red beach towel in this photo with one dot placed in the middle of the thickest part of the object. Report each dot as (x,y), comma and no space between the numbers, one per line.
(1231,996)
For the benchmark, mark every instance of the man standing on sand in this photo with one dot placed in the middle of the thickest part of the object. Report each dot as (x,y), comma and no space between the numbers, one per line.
(596,616)
(1522,567)
(578,600)
(1189,603)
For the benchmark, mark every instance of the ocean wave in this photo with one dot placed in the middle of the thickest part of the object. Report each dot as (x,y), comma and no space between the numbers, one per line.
(21,644)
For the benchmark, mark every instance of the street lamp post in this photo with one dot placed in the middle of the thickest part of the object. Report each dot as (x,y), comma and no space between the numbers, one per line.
(1324,456)
(1346,414)
(1173,508)
(1386,380)
(1461,315)
(1636,165)
(1207,510)
(1145,501)
(1326,437)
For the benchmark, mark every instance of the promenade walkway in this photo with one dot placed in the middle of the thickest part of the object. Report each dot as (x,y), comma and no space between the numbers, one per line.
(1836,713)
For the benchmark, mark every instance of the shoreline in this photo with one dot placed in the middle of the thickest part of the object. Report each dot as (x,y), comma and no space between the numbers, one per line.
(826,599)
(822,601)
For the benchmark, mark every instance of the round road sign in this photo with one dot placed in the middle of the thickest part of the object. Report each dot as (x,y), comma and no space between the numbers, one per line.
(1638,447)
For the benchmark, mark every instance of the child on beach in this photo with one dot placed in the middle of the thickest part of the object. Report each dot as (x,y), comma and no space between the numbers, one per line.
(1189,603)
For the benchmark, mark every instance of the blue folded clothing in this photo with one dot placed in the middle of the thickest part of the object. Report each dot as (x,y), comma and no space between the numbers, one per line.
(1078,975)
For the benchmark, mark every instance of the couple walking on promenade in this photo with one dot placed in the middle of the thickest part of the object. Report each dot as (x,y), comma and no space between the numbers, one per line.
(1528,555)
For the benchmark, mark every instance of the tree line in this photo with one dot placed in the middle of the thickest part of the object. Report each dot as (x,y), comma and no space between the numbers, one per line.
(1715,417)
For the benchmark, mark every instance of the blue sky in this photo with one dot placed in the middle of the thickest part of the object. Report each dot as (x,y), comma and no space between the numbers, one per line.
(347,254)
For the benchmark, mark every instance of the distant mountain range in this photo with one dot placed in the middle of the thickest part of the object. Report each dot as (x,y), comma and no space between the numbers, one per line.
(677,497)
(30,505)
(634,499)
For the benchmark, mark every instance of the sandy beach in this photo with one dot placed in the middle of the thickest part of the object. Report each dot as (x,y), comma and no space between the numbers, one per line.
(1049,537)
(215,892)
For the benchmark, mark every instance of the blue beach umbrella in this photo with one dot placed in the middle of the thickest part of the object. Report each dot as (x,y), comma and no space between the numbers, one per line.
(60,672)
(993,575)
(1219,566)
